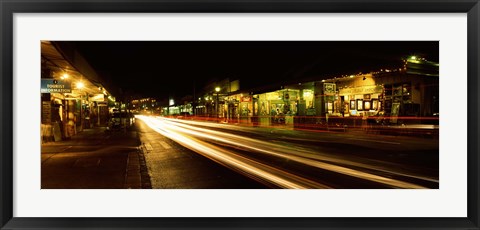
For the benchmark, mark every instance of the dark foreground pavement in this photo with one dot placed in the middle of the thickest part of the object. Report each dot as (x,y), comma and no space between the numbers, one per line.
(95,159)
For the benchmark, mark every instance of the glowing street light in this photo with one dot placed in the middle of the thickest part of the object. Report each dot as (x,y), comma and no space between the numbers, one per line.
(80,85)
(217,89)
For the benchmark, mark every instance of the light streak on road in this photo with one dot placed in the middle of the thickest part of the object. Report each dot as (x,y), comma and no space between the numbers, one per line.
(211,143)
(287,151)
(228,158)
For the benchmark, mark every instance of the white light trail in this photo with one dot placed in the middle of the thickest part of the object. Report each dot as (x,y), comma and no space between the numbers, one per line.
(189,136)
(229,158)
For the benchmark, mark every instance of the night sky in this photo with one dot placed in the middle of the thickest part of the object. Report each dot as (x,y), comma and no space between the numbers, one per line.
(172,68)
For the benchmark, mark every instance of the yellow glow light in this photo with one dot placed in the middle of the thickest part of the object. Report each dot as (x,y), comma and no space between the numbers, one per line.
(217,89)
(307,94)
(80,85)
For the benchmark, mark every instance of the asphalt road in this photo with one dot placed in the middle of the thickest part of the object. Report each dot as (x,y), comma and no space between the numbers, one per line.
(192,154)
(172,166)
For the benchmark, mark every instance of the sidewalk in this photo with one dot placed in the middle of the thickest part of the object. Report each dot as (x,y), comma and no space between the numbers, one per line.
(411,130)
(94,159)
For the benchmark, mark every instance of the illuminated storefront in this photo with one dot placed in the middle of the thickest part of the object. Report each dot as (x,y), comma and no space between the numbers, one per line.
(237,108)
(392,94)
(70,102)
(358,96)
(278,107)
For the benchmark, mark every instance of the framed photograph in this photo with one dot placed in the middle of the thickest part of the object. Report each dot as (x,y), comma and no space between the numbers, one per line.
(352,105)
(367,105)
(375,104)
(51,101)
(359,104)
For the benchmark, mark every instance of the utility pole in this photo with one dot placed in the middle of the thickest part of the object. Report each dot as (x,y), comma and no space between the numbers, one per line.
(194,100)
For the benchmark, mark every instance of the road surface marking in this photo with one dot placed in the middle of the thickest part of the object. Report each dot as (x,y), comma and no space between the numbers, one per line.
(165,145)
(148,147)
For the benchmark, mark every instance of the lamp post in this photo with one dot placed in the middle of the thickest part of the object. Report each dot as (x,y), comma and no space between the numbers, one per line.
(217,89)
(80,86)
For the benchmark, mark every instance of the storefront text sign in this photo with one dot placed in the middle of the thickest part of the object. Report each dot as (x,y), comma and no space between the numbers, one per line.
(361,90)
(246,99)
(97,97)
(329,88)
(55,86)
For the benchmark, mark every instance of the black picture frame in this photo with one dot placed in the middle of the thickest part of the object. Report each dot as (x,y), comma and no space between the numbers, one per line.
(367,105)
(353,105)
(359,104)
(375,104)
(10,7)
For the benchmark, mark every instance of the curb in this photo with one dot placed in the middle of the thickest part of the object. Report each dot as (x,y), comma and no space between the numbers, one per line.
(145,177)
(136,176)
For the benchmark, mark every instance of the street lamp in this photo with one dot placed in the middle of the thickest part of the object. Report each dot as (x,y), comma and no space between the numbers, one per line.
(217,89)
(80,85)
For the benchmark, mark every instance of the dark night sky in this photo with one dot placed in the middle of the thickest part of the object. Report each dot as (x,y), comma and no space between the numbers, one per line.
(166,68)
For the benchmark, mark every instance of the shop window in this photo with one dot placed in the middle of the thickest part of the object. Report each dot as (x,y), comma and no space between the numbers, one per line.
(308,97)
(292,109)
(329,106)
(406,92)
(388,91)
(406,89)
(397,90)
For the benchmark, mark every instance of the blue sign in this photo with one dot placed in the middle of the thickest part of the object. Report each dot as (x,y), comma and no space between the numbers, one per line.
(55,86)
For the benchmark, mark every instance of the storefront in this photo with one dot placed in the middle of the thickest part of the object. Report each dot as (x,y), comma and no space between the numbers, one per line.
(278,107)
(393,95)
(70,102)
(359,101)
(237,108)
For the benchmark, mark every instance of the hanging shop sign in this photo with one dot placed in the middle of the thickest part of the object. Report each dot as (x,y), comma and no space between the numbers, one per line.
(329,88)
(97,97)
(55,86)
